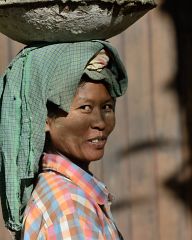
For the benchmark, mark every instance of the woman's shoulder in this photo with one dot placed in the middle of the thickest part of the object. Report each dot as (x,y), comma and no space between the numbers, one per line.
(56,197)
(57,192)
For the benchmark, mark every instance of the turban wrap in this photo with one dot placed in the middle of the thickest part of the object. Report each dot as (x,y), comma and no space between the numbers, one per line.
(41,73)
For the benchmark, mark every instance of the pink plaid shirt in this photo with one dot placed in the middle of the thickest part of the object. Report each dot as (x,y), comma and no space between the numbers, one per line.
(68,203)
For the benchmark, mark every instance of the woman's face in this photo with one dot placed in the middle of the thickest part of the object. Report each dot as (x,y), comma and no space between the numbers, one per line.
(82,134)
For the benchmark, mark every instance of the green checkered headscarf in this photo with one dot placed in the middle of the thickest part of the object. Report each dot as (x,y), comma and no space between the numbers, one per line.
(38,74)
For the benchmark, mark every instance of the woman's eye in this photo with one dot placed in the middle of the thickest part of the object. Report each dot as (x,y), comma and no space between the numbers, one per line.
(109,107)
(86,108)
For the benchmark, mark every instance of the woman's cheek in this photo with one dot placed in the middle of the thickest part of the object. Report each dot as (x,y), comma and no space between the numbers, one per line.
(111,122)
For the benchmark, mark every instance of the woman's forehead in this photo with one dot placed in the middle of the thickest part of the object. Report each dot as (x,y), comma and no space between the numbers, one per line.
(93,90)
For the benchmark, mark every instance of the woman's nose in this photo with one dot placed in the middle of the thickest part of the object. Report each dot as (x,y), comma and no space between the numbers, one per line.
(98,120)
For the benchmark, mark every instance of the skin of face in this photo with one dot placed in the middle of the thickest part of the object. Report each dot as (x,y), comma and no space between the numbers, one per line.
(81,134)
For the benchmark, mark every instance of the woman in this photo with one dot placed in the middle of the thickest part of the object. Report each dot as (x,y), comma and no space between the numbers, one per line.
(69,90)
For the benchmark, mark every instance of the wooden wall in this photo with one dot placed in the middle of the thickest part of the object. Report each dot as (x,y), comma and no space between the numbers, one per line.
(147,164)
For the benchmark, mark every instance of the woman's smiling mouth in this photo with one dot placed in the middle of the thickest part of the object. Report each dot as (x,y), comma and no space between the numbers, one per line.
(98,142)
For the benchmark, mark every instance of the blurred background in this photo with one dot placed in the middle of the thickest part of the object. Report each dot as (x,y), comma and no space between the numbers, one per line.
(148,160)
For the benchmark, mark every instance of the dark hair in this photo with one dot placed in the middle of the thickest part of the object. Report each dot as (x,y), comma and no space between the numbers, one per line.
(52,109)
(85,78)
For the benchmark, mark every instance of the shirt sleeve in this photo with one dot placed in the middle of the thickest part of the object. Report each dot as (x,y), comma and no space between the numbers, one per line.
(72,226)
(34,225)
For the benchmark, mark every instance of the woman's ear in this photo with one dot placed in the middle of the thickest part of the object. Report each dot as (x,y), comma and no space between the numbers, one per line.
(47,124)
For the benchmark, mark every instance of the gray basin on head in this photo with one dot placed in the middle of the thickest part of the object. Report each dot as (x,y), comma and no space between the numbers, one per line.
(29,21)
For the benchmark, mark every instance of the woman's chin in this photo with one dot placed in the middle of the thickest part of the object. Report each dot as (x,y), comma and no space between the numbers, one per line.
(85,157)
(94,156)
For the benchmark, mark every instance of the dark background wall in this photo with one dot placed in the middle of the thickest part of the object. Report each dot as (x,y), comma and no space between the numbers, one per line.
(148,162)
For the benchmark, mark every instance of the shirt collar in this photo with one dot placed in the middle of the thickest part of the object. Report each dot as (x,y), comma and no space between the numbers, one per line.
(93,187)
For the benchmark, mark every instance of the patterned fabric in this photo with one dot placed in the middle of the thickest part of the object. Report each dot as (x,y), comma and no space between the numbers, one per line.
(68,203)
(38,74)
(99,62)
